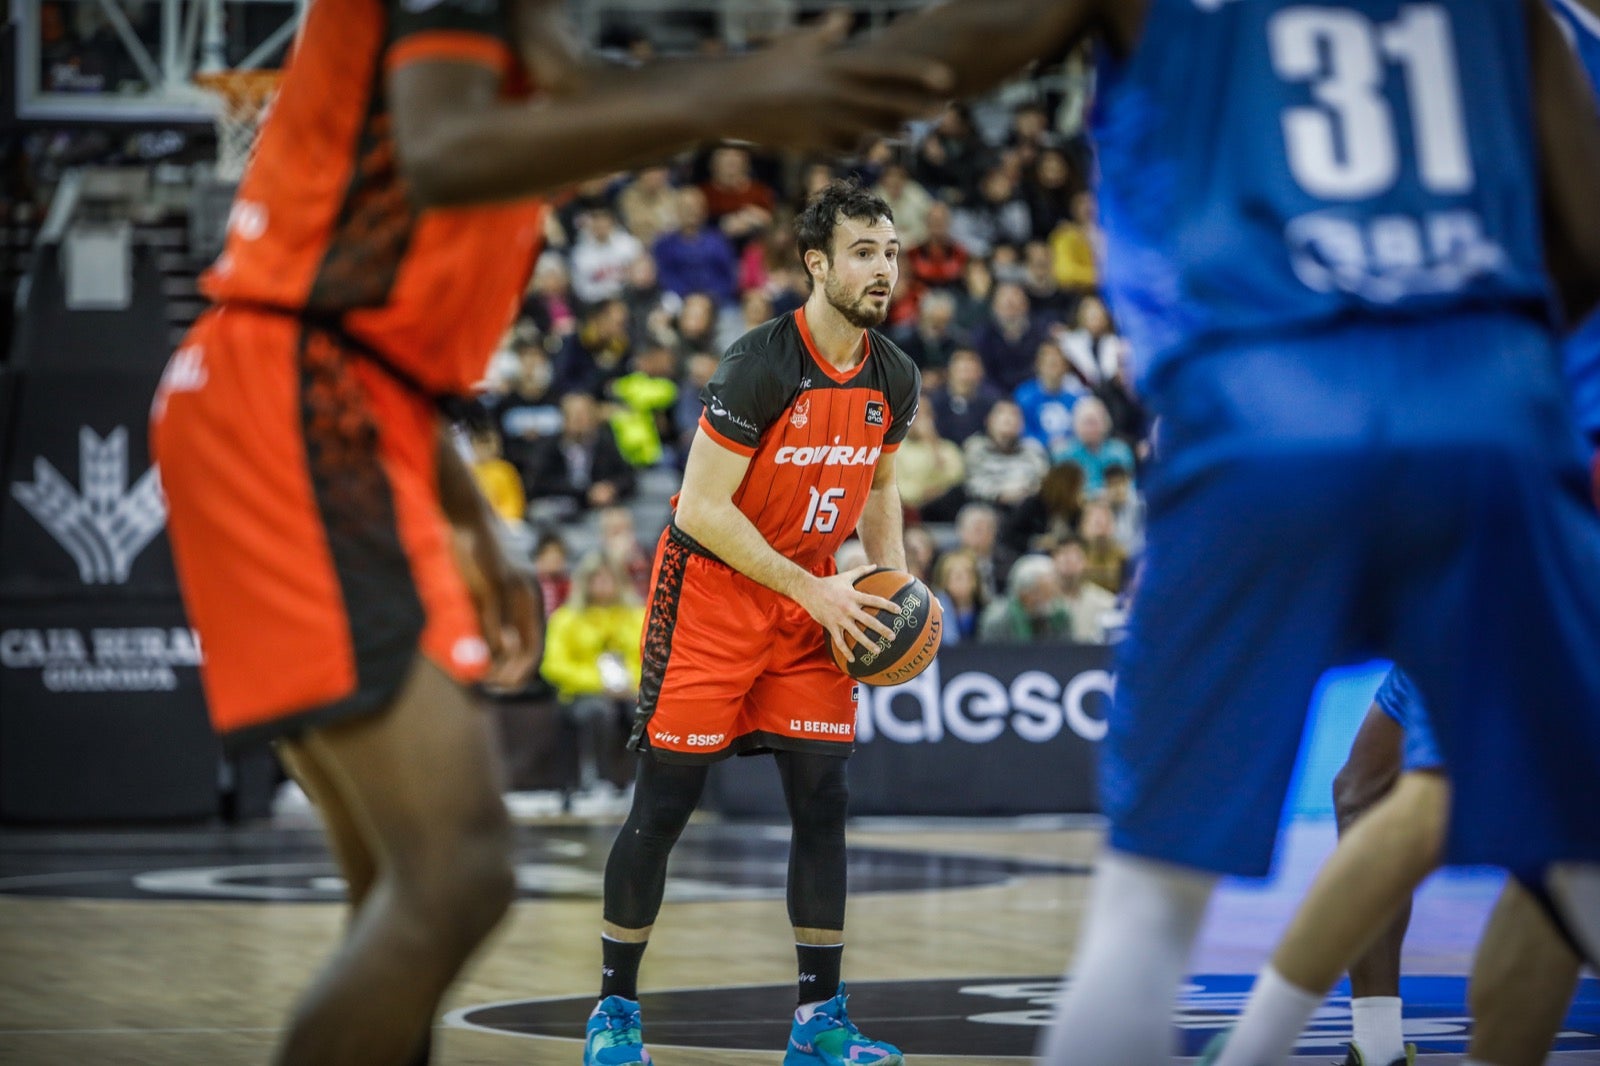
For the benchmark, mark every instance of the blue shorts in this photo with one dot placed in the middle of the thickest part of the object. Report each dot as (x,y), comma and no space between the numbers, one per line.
(1413,492)
(1399,699)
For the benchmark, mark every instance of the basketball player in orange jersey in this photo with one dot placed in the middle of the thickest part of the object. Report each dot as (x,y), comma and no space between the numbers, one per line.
(376,251)
(795,448)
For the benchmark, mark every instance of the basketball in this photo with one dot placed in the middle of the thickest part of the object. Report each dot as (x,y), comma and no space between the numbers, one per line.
(917,630)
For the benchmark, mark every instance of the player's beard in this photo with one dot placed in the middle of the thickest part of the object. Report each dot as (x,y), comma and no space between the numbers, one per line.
(859,312)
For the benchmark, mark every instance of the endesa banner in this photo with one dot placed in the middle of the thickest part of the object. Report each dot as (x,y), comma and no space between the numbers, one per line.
(987,729)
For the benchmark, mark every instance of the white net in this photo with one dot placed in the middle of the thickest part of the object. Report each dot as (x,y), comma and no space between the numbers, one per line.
(243,97)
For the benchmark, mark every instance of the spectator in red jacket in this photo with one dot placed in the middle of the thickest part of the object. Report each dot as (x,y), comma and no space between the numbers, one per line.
(738,204)
(939,261)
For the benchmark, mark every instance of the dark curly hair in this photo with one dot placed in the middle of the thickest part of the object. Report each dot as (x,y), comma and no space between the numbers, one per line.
(842,198)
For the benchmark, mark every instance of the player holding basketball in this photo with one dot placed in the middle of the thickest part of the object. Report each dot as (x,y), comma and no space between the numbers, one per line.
(375,254)
(795,448)
(1338,255)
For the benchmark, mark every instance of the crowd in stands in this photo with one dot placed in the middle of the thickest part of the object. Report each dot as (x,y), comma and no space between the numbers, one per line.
(1020,476)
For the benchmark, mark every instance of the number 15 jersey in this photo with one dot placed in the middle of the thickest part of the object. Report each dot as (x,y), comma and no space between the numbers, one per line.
(814,433)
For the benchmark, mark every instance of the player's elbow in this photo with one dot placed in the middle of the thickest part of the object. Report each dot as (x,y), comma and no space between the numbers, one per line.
(435,176)
(691,517)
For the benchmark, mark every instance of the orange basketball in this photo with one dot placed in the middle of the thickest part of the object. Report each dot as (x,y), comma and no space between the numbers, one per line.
(917,629)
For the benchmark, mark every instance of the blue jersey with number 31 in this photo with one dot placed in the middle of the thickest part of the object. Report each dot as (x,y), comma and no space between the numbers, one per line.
(1269,166)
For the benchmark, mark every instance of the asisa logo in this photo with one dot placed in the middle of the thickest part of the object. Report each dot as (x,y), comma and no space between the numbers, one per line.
(826,455)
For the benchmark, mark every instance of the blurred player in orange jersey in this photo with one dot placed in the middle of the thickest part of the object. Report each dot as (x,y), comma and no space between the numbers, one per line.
(376,250)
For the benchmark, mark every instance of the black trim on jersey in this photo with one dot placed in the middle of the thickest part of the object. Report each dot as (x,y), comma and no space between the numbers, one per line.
(678,536)
(453,406)
(357,506)
(355,503)
(759,742)
(1539,888)
(764,372)
(485,17)
(658,626)
(372,231)
(902,407)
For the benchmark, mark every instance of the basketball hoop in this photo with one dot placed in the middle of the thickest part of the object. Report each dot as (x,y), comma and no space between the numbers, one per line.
(243,97)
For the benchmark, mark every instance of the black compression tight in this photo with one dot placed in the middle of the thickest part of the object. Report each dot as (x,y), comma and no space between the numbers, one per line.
(815,789)
(666,794)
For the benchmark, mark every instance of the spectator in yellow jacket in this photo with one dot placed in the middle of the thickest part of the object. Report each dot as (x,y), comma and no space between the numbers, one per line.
(591,656)
(497,479)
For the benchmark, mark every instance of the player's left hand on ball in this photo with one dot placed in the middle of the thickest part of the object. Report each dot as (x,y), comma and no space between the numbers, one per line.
(845,612)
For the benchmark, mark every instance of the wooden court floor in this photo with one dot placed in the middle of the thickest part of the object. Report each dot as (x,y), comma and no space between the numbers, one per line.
(186,947)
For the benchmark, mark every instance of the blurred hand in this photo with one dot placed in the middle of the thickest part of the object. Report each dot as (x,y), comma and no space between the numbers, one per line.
(844,611)
(510,608)
(806,92)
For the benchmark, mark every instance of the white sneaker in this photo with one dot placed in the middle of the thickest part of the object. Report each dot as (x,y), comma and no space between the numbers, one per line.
(290,799)
(543,804)
(602,800)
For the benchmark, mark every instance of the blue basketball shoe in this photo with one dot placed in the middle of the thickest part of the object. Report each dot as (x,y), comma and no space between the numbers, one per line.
(830,1038)
(615,1035)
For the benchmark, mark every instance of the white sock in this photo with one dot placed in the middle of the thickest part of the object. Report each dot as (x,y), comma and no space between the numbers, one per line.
(1271,1022)
(1377,1029)
(1141,925)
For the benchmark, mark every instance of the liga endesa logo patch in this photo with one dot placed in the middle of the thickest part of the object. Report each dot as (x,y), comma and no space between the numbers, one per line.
(1004,1017)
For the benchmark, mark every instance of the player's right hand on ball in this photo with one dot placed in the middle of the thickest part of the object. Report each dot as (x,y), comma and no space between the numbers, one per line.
(844,611)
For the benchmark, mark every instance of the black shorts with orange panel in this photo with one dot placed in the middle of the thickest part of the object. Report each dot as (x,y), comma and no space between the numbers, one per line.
(315,560)
(732,667)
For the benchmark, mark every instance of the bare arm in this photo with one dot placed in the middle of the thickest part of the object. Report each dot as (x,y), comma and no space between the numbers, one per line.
(1569,150)
(984,42)
(882,530)
(459,143)
(707,513)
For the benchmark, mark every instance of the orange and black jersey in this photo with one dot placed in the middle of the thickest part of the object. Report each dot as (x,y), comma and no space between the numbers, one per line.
(324,225)
(814,433)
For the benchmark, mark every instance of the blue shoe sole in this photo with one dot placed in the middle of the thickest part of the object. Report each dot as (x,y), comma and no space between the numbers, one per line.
(792,1057)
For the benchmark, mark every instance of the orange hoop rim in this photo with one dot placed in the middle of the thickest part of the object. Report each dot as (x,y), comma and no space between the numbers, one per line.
(240,86)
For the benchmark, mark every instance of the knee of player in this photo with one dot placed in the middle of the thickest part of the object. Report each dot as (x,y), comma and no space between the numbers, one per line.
(458,893)
(1357,787)
(1425,803)
(823,809)
(470,899)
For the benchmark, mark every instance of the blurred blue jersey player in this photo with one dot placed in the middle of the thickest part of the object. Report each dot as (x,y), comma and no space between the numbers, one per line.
(1330,259)
(1341,237)
(1397,735)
